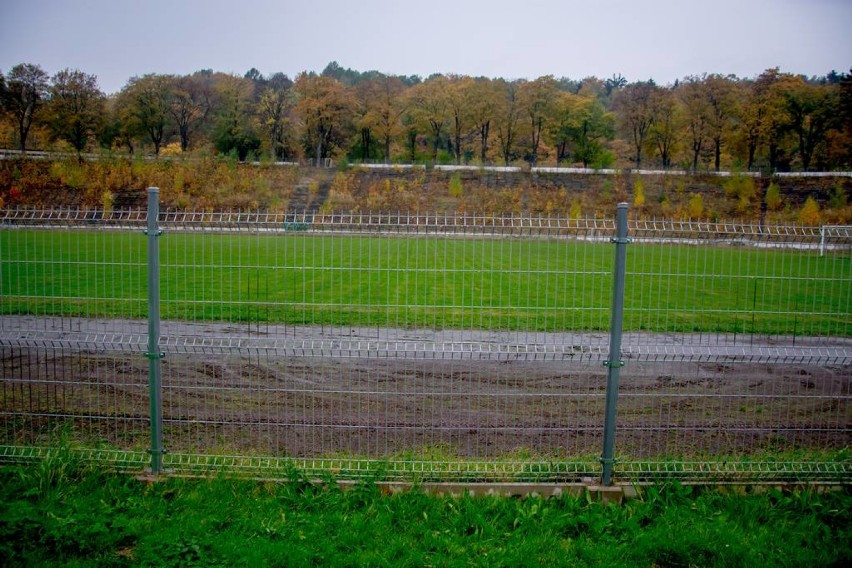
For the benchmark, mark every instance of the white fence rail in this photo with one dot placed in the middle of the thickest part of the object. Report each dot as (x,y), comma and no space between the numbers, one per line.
(7,154)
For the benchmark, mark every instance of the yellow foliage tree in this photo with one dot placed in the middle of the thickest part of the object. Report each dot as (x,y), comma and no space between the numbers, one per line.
(773,197)
(456,188)
(172,149)
(810,214)
(638,194)
(107,201)
(575,211)
(696,206)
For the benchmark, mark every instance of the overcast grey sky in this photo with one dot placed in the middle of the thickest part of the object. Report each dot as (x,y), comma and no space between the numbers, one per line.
(660,39)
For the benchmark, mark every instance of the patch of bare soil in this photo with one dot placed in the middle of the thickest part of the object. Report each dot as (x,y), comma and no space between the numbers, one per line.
(258,404)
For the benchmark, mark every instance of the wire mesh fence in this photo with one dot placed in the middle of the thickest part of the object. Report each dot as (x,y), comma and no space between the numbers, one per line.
(429,346)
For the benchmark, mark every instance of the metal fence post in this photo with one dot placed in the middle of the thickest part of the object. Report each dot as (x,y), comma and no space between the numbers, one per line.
(155,378)
(614,362)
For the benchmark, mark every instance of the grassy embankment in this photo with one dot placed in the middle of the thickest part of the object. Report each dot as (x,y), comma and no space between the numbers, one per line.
(202,182)
(508,284)
(60,513)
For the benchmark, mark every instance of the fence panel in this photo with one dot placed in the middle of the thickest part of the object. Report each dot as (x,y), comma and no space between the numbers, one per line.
(426,343)
(428,346)
(740,346)
(73,288)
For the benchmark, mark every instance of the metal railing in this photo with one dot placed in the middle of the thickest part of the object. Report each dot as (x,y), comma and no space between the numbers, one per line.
(427,346)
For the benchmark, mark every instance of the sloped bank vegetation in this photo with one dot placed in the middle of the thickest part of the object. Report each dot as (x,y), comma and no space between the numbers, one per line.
(211,183)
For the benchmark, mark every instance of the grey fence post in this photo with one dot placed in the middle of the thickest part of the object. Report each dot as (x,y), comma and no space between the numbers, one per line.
(155,377)
(614,362)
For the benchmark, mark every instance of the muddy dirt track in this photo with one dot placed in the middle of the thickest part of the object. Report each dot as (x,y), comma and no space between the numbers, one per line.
(320,392)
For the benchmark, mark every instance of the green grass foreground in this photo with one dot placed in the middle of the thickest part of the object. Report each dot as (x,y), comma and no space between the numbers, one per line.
(61,513)
(429,282)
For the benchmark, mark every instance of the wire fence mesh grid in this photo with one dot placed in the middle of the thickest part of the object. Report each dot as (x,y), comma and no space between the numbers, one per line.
(474,344)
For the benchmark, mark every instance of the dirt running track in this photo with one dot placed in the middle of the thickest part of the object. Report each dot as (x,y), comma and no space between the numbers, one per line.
(323,392)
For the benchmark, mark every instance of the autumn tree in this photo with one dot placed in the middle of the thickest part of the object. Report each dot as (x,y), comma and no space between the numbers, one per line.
(665,132)
(776,125)
(325,107)
(561,128)
(844,154)
(76,108)
(810,215)
(484,95)
(234,128)
(258,81)
(459,99)
(365,147)
(763,116)
(593,125)
(273,110)
(592,87)
(190,105)
(380,107)
(279,81)
(721,93)
(538,101)
(635,106)
(122,129)
(751,122)
(506,118)
(144,104)
(812,111)
(26,89)
(430,108)
(383,106)
(696,113)
(579,127)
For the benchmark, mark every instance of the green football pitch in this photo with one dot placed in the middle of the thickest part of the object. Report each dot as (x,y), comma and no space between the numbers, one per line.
(437,281)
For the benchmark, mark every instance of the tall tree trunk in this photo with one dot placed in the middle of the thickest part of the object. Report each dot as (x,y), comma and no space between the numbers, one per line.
(697,143)
(752,149)
(506,144)
(157,141)
(664,155)
(806,148)
(458,140)
(536,137)
(23,129)
(436,135)
(773,155)
(412,145)
(365,144)
(483,134)
(561,148)
(718,153)
(638,139)
(183,130)
(319,148)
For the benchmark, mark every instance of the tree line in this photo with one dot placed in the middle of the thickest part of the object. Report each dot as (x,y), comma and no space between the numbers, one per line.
(776,121)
